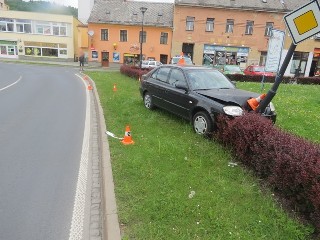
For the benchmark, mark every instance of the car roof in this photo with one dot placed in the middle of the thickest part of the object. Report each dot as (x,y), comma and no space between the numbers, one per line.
(188,67)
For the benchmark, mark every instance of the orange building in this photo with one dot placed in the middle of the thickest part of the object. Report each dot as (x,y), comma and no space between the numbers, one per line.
(228,32)
(114,31)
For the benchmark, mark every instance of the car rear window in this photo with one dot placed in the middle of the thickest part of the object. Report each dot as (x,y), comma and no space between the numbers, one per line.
(162,74)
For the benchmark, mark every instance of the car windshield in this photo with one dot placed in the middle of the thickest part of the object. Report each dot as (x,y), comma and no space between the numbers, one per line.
(233,68)
(258,69)
(207,79)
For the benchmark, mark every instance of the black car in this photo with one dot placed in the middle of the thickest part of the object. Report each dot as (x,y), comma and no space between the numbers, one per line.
(197,94)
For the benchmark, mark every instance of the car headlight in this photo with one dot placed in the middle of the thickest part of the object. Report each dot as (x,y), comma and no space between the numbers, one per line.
(233,110)
(272,108)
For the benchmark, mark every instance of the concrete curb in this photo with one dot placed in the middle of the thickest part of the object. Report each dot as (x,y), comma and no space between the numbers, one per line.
(110,228)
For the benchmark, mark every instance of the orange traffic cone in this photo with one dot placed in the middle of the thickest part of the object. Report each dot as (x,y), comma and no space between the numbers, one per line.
(86,77)
(254,102)
(127,137)
(181,60)
(90,87)
(114,87)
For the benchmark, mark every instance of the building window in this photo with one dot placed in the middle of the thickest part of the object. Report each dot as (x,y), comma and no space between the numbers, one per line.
(45,49)
(209,24)
(43,28)
(123,36)
(164,38)
(144,36)
(104,35)
(299,62)
(190,23)
(249,28)
(269,27)
(23,26)
(59,29)
(229,26)
(6,25)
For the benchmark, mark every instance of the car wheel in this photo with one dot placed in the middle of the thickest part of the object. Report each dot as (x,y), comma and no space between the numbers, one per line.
(147,99)
(202,123)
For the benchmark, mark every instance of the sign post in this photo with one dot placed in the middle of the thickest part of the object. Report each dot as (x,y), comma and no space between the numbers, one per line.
(302,23)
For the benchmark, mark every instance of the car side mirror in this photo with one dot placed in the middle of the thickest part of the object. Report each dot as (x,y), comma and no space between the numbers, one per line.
(182,85)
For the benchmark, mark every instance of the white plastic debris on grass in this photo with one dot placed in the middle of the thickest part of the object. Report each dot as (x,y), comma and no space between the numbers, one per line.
(192,193)
(232,164)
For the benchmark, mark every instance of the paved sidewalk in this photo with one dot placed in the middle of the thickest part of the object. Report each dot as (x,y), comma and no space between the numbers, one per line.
(91,66)
(104,223)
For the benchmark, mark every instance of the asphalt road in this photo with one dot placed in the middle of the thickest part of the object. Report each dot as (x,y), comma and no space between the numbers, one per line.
(42,119)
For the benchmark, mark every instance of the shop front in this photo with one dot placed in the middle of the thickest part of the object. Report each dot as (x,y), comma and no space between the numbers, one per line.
(315,66)
(131,59)
(8,49)
(222,55)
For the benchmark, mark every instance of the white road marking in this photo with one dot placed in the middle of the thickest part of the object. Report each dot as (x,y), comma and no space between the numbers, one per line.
(76,229)
(10,85)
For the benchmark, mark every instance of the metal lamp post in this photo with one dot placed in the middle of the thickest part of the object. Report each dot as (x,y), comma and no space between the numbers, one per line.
(143,10)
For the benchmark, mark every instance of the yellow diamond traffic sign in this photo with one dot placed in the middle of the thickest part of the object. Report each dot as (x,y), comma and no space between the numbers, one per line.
(304,22)
(301,21)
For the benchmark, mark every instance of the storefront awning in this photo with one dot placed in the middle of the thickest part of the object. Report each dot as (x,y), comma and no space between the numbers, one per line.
(130,55)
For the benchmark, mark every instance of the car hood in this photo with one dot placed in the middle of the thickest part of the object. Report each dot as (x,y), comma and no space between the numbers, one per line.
(233,96)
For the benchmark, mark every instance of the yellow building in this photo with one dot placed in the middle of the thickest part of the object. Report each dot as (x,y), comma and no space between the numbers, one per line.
(31,35)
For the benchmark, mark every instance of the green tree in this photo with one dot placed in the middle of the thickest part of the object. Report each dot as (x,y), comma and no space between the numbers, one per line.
(41,6)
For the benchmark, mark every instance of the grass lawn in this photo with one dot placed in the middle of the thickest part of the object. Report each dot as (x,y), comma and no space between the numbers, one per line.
(173,184)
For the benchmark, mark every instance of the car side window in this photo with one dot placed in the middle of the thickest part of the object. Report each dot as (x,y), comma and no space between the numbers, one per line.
(154,74)
(176,75)
(162,74)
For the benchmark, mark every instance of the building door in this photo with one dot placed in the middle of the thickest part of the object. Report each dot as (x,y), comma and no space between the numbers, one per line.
(105,59)
(163,58)
(187,49)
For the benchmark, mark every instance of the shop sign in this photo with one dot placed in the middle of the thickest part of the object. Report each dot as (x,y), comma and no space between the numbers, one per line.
(274,51)
(8,42)
(211,49)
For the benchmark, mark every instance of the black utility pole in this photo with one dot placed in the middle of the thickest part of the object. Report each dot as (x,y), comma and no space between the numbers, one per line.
(272,92)
(143,10)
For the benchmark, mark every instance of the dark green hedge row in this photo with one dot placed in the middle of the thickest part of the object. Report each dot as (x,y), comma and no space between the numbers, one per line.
(290,165)
(299,80)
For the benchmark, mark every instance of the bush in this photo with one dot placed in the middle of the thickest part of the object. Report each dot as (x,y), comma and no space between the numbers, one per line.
(299,80)
(246,78)
(132,71)
(308,80)
(287,163)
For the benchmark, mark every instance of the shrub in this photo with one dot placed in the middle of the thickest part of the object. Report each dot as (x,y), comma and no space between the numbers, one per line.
(299,80)
(287,163)
(132,71)
(308,80)
(247,78)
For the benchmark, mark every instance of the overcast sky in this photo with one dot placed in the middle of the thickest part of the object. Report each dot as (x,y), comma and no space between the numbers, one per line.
(74,3)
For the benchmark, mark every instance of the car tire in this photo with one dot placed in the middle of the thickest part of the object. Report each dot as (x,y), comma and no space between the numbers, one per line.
(147,99)
(202,124)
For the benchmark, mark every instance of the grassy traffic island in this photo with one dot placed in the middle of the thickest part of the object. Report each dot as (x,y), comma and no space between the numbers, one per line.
(174,184)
